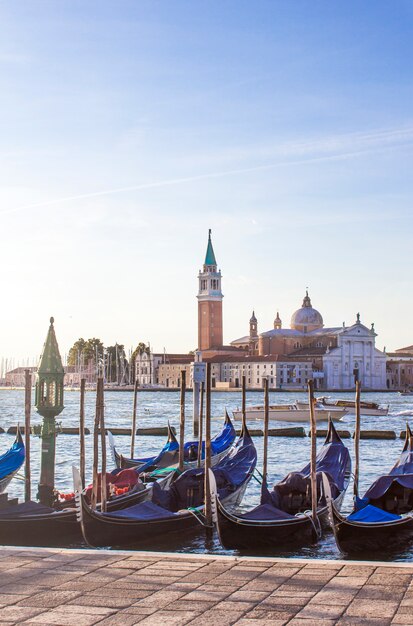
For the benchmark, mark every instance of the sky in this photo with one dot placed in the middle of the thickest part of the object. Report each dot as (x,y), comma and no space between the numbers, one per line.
(128,129)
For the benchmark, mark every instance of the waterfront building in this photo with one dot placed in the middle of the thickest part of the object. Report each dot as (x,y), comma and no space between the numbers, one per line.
(338,354)
(399,371)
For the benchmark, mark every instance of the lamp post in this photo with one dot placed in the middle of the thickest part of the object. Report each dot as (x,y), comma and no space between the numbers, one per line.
(49,404)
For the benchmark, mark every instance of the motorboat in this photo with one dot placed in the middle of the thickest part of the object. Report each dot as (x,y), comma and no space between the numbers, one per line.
(366,408)
(292,413)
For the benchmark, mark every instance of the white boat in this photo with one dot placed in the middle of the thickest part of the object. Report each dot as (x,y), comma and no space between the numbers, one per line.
(366,408)
(290,413)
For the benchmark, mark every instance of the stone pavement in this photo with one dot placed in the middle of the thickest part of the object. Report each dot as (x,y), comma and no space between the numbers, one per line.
(83,587)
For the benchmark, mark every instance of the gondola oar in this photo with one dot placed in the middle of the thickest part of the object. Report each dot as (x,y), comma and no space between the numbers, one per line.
(357,442)
(207,493)
(82,432)
(27,411)
(182,422)
(201,417)
(133,433)
(313,455)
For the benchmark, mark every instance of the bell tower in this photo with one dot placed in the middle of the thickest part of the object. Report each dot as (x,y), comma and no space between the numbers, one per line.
(209,302)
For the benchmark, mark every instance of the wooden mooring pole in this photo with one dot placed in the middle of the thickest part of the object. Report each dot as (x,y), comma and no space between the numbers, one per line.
(27,411)
(313,453)
(357,441)
(244,409)
(103,496)
(133,434)
(182,422)
(201,418)
(82,432)
(95,474)
(266,424)
(207,492)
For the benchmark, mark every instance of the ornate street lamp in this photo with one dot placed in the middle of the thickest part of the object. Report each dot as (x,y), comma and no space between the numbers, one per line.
(49,404)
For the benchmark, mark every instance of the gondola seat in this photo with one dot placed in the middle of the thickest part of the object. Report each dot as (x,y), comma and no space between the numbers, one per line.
(266,512)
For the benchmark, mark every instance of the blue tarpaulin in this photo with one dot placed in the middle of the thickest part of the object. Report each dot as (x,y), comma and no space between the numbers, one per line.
(370,514)
(13,459)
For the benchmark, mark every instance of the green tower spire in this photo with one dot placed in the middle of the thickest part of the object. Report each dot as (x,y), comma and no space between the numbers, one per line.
(210,255)
(49,404)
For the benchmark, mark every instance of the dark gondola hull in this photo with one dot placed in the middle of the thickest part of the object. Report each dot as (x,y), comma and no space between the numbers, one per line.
(352,537)
(59,528)
(240,533)
(52,529)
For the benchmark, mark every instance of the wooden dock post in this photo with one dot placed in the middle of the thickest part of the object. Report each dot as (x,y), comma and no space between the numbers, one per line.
(27,411)
(266,424)
(95,475)
(182,422)
(357,441)
(82,432)
(103,496)
(201,417)
(133,433)
(243,407)
(313,454)
(207,465)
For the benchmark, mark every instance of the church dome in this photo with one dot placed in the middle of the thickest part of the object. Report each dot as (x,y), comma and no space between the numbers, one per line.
(306,319)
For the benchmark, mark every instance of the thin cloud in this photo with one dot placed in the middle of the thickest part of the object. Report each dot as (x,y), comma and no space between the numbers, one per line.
(375,141)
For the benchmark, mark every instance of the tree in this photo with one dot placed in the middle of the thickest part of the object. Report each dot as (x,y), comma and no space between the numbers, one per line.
(75,352)
(83,353)
(117,366)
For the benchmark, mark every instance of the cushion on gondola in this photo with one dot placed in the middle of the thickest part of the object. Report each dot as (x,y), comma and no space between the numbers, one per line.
(266,512)
(142,511)
(124,478)
(25,508)
(371,514)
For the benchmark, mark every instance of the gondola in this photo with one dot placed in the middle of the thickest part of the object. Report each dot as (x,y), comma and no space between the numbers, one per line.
(383,518)
(284,515)
(33,524)
(169,454)
(175,509)
(11,461)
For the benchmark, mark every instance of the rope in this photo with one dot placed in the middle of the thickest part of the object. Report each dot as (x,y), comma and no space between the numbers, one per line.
(257,479)
(318,530)
(198,516)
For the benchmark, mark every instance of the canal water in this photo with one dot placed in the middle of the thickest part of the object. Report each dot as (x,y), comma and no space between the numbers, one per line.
(156,408)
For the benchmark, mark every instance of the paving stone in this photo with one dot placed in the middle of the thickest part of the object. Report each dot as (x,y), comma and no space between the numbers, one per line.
(321,611)
(11,598)
(217,618)
(346,620)
(17,614)
(160,599)
(381,592)
(205,595)
(226,605)
(285,613)
(175,618)
(244,621)
(390,578)
(113,602)
(402,619)
(59,617)
(298,621)
(49,599)
(248,596)
(280,599)
(372,608)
